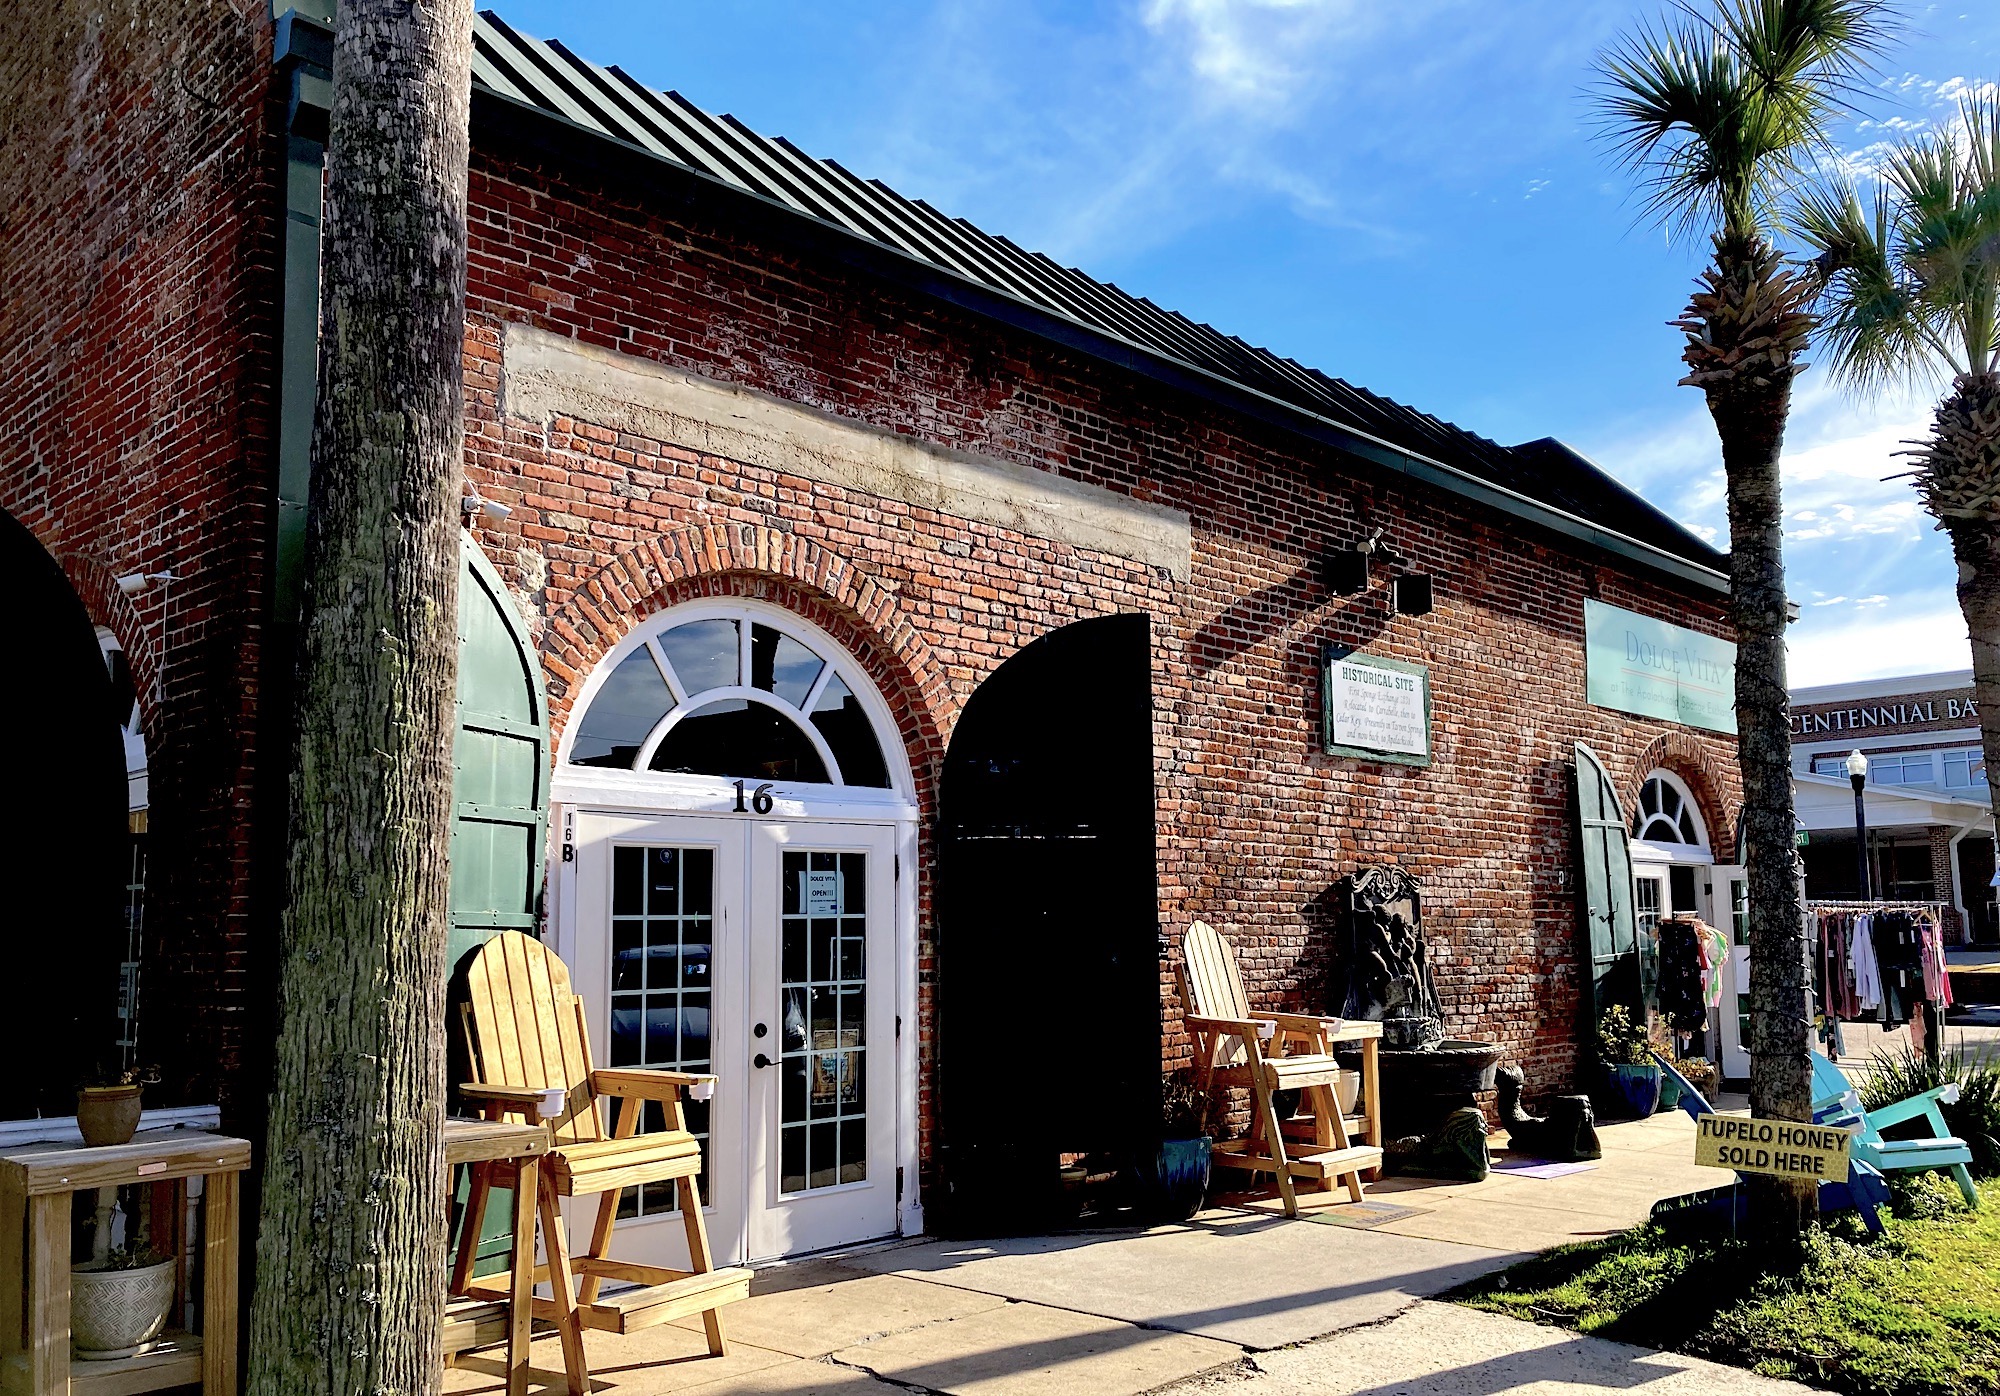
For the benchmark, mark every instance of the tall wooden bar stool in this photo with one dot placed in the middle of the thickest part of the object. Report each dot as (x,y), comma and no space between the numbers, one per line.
(530,1056)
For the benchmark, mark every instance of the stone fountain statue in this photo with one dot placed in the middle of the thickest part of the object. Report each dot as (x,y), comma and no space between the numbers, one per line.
(1382,972)
(1388,976)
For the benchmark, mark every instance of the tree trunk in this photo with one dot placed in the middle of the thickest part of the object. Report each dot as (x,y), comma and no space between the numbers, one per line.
(1749,406)
(1960,478)
(351,1247)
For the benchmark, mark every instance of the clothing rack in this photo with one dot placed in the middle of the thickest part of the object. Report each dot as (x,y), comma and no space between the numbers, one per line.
(1933,1020)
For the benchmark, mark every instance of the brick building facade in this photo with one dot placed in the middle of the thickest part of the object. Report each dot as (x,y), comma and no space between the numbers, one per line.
(684,394)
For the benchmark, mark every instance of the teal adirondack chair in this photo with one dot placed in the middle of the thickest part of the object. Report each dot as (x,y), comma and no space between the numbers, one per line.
(1836,1103)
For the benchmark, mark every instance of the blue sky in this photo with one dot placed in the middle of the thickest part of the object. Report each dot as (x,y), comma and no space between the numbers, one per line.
(1406,194)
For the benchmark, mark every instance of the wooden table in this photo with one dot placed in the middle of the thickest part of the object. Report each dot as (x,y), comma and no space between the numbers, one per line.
(513,1152)
(36,1187)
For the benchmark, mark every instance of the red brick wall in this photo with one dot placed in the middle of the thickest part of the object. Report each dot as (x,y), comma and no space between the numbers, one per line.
(1254,823)
(138,294)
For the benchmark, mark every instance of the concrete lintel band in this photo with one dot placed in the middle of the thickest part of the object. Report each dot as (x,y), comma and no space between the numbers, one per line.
(547,375)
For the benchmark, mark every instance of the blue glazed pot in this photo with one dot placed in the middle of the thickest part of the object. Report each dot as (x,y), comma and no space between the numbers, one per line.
(1174,1180)
(1634,1088)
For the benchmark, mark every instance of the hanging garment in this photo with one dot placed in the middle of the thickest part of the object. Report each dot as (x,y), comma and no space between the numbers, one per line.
(1861,960)
(1714,961)
(1937,974)
(1680,985)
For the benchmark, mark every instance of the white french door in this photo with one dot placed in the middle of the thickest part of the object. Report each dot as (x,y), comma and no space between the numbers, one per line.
(660,962)
(1730,913)
(764,952)
(823,1028)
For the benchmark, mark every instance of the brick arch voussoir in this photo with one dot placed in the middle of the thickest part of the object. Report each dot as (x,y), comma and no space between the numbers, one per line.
(108,605)
(1689,759)
(734,559)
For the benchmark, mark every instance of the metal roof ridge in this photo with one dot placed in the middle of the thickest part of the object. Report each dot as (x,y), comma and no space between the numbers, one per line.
(1579,525)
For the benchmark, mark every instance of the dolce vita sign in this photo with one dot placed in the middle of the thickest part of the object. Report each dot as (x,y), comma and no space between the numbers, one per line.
(1777,1147)
(1640,665)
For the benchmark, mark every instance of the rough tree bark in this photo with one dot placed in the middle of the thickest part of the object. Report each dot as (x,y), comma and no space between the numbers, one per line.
(350,1266)
(1745,330)
(1959,477)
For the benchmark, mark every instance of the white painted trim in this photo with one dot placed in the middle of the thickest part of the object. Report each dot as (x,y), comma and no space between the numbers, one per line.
(1880,688)
(61,1129)
(888,736)
(581,790)
(1677,852)
(650,748)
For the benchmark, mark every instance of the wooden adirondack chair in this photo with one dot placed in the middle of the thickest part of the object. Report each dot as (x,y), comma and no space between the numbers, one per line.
(1835,1102)
(1272,1052)
(530,1056)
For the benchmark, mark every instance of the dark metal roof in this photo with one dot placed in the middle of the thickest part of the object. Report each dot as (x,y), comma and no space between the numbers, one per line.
(1543,481)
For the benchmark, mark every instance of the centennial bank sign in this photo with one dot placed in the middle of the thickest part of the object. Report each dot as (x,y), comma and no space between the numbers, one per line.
(1928,711)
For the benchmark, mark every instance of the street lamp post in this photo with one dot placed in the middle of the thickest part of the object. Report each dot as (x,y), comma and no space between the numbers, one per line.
(1857,776)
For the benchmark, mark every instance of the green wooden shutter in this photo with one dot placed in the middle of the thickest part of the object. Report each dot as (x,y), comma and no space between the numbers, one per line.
(1609,932)
(500,785)
(501,780)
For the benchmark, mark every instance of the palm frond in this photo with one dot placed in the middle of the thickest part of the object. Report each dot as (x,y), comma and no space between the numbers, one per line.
(1718,115)
(1870,317)
(1818,49)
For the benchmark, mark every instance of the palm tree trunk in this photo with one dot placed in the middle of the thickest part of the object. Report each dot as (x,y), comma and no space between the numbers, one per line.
(1960,478)
(1976,545)
(351,1247)
(1749,403)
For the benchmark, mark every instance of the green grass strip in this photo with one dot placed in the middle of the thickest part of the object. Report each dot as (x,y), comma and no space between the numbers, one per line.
(1915,1312)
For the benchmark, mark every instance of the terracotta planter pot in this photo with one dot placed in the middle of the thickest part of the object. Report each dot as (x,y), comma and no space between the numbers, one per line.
(107,1114)
(117,1313)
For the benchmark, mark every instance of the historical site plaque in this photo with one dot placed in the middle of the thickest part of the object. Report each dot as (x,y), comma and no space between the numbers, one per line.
(1379,709)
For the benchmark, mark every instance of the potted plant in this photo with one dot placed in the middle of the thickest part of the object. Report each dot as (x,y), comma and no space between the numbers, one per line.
(1701,1073)
(1175,1179)
(118,1304)
(1632,1077)
(108,1103)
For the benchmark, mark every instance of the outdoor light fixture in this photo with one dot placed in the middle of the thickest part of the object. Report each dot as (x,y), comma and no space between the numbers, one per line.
(132,583)
(1413,594)
(476,503)
(1857,776)
(1345,571)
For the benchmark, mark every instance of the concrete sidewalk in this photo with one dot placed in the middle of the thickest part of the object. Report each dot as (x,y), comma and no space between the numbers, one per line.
(1239,1296)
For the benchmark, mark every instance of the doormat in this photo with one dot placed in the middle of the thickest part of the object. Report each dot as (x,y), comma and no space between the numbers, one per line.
(1361,1216)
(1528,1168)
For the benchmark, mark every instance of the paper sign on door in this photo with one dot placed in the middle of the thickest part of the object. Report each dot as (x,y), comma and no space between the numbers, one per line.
(823,893)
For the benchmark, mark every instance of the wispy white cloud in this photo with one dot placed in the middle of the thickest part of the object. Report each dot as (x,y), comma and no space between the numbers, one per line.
(1260,56)
(1925,635)
(1873,574)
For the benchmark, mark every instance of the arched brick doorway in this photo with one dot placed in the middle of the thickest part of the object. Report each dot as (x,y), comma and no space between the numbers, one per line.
(65,819)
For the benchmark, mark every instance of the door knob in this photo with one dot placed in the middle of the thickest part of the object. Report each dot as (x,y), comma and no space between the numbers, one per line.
(760,1060)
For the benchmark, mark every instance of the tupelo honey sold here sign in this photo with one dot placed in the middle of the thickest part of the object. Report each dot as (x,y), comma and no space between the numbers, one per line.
(1778,1147)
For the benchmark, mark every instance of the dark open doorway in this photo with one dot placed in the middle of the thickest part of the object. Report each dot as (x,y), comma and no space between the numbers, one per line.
(64,819)
(1047,924)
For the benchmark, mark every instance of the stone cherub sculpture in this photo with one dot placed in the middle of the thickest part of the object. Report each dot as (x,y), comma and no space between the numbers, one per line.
(1388,976)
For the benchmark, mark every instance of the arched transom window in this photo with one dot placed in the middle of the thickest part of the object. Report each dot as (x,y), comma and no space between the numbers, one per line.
(1667,813)
(739,694)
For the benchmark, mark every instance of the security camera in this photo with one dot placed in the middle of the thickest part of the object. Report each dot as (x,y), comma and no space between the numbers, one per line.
(476,503)
(132,583)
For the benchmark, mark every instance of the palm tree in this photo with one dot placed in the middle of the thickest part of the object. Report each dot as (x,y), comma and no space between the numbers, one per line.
(1719,114)
(1911,293)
